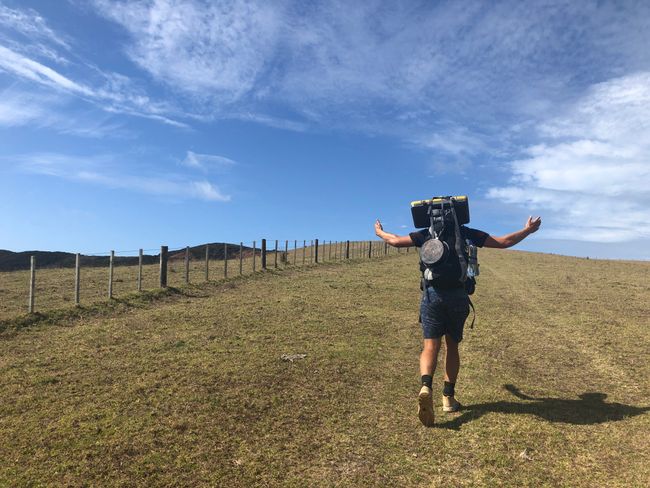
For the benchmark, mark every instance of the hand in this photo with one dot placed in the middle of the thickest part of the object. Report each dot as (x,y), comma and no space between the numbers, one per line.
(378,227)
(532,225)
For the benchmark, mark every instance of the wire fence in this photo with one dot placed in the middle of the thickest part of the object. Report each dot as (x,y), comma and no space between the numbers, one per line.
(44,285)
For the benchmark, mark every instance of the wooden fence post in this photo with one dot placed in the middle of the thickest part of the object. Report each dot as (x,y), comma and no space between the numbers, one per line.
(254,254)
(275,255)
(241,258)
(187,264)
(316,251)
(304,251)
(77,278)
(295,251)
(110,274)
(163,266)
(207,262)
(311,251)
(369,249)
(140,254)
(263,253)
(225,260)
(32,283)
(286,252)
(347,249)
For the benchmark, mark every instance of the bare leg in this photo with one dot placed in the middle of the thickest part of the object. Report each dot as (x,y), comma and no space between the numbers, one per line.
(452,360)
(428,360)
(429,356)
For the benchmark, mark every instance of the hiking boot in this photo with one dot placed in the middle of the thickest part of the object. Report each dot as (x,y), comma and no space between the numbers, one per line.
(449,404)
(425,406)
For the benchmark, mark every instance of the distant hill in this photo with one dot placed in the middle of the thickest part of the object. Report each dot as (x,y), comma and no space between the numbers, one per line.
(16,261)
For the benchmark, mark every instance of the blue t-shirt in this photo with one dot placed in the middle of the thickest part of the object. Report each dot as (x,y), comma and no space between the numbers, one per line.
(447,274)
(476,236)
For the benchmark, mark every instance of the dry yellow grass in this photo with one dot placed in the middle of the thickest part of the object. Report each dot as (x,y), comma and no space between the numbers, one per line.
(55,286)
(190,390)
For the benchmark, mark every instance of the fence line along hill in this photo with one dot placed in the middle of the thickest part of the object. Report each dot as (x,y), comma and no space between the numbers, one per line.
(308,376)
(45,282)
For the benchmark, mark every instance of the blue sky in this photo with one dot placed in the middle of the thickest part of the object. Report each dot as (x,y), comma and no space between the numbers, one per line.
(140,123)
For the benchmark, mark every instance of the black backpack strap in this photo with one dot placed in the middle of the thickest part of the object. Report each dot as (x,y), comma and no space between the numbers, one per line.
(474,312)
(459,244)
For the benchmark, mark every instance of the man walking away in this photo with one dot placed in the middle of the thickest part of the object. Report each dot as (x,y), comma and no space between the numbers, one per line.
(443,311)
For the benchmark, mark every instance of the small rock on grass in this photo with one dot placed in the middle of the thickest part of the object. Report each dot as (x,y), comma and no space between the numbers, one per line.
(525,454)
(292,357)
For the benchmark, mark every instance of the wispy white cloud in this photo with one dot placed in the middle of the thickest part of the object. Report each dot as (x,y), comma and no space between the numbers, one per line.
(21,66)
(26,32)
(30,50)
(591,173)
(207,162)
(398,69)
(21,108)
(220,47)
(341,51)
(114,95)
(104,170)
(337,64)
(38,108)
(31,25)
(271,121)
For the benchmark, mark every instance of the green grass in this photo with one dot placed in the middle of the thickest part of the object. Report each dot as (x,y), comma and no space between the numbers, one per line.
(55,286)
(187,388)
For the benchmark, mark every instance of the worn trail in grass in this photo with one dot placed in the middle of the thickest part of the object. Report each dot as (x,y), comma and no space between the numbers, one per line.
(191,390)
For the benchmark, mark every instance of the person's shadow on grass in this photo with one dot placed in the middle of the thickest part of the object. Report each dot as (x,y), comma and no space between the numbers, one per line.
(591,408)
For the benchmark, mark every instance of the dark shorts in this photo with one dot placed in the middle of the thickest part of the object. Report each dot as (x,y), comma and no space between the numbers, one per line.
(443,311)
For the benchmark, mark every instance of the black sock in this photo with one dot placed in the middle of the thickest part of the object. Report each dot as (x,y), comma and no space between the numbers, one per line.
(427,380)
(448,389)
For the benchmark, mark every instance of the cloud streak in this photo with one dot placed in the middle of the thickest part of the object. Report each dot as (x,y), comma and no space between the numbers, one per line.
(29,48)
(102,170)
(221,47)
(207,162)
(31,25)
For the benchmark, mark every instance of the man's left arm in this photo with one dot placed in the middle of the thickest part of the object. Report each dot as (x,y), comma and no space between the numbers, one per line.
(392,239)
(509,240)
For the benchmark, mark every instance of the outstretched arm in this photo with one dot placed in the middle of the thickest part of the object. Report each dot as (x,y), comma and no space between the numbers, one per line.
(392,239)
(509,240)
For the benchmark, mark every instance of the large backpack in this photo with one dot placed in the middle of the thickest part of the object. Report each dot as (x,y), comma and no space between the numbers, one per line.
(444,256)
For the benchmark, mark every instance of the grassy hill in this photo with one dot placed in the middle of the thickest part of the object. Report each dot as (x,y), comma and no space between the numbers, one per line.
(16,261)
(191,389)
